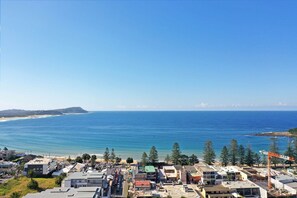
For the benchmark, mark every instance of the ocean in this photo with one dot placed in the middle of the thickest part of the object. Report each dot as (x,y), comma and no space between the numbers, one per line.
(132,133)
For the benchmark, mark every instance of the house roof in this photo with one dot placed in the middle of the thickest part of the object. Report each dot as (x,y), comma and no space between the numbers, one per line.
(149,169)
(143,183)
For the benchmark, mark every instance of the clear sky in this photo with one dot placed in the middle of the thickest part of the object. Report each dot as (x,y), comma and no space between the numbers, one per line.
(148,55)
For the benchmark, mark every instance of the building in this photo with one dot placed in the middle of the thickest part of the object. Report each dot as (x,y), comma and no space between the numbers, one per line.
(84,192)
(6,154)
(140,176)
(40,166)
(285,183)
(208,174)
(77,167)
(144,185)
(6,165)
(192,175)
(151,173)
(85,179)
(228,173)
(243,188)
(217,191)
(168,174)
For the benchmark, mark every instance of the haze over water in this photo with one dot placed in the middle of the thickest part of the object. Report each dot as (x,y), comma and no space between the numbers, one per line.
(131,133)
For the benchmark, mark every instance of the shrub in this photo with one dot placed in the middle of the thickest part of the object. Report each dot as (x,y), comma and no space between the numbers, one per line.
(79,159)
(15,195)
(129,160)
(33,184)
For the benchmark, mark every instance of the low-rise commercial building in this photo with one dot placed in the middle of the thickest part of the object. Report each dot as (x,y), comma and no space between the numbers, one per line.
(151,173)
(6,154)
(85,179)
(168,174)
(142,185)
(243,188)
(40,166)
(285,183)
(192,174)
(217,191)
(208,174)
(84,192)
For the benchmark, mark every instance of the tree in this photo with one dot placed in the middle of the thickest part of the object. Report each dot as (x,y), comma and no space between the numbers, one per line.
(241,154)
(112,156)
(32,184)
(257,158)
(295,149)
(144,159)
(118,160)
(30,173)
(86,157)
(5,149)
(58,180)
(289,152)
(15,195)
(106,155)
(69,159)
(193,159)
(93,159)
(233,152)
(176,153)
(224,156)
(79,159)
(274,149)
(184,160)
(249,157)
(209,154)
(129,160)
(264,160)
(153,156)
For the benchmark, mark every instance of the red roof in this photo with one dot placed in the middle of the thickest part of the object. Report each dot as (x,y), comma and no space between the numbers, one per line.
(143,183)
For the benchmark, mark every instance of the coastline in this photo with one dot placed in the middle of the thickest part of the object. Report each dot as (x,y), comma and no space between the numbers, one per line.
(279,134)
(7,119)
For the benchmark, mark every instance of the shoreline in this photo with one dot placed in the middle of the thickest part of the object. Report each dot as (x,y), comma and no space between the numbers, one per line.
(278,134)
(7,119)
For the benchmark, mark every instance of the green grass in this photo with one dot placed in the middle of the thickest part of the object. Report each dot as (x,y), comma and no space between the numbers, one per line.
(20,185)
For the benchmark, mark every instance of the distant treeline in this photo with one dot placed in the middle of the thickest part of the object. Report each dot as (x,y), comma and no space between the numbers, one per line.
(24,113)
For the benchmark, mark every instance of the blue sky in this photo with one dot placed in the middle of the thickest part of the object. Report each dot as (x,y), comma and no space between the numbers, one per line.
(149,55)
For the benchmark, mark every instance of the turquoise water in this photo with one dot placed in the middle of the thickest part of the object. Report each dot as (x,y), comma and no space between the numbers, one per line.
(132,133)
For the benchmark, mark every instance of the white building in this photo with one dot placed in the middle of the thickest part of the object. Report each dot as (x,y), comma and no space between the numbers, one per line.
(84,192)
(40,166)
(243,188)
(168,174)
(285,182)
(85,179)
(208,174)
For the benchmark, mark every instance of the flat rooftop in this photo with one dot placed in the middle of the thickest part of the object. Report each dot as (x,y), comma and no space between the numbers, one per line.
(190,169)
(85,175)
(82,192)
(39,161)
(204,168)
(216,188)
(239,184)
(284,177)
(149,169)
